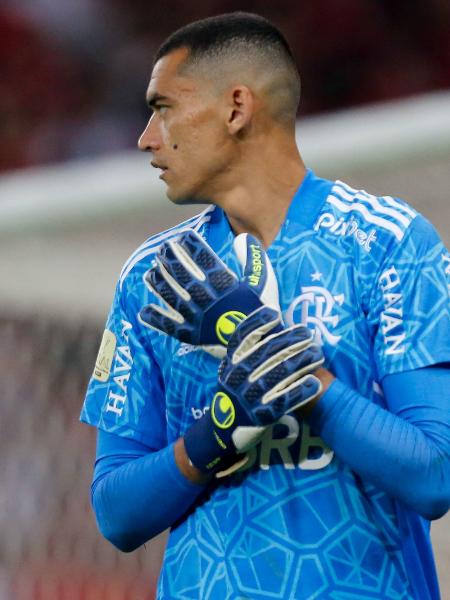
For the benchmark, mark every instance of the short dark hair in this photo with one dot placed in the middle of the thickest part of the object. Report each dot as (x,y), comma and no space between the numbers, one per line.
(216,37)
(206,35)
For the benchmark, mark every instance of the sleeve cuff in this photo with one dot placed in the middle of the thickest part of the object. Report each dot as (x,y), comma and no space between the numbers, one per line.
(328,403)
(175,474)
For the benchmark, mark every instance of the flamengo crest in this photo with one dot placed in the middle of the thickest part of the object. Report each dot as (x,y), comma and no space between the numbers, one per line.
(316,305)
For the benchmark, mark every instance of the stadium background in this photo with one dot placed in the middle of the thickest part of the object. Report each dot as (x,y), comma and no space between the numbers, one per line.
(75,200)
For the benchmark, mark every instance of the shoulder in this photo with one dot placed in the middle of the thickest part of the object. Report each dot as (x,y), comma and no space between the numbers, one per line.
(367,227)
(140,260)
(391,216)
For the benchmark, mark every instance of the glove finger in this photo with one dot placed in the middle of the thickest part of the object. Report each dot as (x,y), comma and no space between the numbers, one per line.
(258,324)
(219,275)
(175,267)
(243,460)
(195,294)
(258,350)
(156,317)
(287,347)
(302,392)
(246,436)
(275,382)
(159,286)
(299,393)
(200,251)
(277,347)
(175,304)
(258,272)
(285,374)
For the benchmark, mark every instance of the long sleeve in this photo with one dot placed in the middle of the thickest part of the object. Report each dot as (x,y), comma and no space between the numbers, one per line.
(137,493)
(404,449)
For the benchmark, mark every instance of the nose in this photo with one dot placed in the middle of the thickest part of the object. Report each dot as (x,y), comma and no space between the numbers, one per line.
(150,139)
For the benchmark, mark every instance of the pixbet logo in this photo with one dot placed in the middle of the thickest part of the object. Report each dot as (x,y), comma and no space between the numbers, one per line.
(316,306)
(345,228)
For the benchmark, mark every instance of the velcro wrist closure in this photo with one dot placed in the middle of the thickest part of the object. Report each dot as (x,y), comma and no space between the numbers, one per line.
(205,448)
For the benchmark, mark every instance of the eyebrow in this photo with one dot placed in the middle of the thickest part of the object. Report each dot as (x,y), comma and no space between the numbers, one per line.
(154,99)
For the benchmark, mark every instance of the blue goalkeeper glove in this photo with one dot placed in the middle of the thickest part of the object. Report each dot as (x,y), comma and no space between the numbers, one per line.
(204,300)
(263,376)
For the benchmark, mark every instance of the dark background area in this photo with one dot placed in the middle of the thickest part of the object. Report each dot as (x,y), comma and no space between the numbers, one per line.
(74,72)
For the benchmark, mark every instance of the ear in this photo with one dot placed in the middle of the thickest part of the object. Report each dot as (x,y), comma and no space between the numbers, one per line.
(241,108)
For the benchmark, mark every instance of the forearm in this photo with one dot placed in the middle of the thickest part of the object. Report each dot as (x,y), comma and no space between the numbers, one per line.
(408,461)
(140,497)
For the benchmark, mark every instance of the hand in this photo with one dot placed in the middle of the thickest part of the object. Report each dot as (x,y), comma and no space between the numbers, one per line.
(204,298)
(263,376)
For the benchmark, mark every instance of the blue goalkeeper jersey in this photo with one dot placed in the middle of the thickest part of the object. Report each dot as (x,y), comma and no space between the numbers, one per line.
(371,278)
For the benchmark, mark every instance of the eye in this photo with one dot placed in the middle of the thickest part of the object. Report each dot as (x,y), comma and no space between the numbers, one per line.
(160,108)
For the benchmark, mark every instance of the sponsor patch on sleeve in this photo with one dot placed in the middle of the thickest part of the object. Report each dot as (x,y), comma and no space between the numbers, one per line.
(105,356)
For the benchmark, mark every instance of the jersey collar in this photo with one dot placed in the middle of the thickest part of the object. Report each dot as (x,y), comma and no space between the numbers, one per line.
(302,214)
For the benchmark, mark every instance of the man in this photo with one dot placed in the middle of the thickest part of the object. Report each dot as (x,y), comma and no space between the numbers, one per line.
(309,464)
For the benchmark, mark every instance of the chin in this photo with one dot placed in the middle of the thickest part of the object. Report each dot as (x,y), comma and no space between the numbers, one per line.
(184,198)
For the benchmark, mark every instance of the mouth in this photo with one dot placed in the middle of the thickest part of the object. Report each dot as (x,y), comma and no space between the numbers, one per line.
(159,166)
(163,168)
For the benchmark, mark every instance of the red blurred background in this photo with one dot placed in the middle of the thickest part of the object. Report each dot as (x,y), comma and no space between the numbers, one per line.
(73,73)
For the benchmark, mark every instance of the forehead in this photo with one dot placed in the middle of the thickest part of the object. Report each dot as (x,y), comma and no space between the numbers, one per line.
(166,78)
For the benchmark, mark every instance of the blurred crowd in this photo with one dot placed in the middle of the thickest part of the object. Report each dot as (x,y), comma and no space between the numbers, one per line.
(74,72)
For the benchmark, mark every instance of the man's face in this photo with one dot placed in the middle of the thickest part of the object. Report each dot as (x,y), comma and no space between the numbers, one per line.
(186,133)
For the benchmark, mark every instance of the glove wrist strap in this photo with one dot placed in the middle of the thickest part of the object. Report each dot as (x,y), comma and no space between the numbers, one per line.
(206,449)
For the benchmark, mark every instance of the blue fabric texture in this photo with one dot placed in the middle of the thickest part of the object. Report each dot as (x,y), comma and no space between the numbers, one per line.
(129,477)
(408,457)
(137,493)
(403,449)
(370,278)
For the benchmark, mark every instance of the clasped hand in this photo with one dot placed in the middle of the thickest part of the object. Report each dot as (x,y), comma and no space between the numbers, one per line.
(267,369)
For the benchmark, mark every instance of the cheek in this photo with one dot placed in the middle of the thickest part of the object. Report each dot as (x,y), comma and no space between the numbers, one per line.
(214,147)
(177,138)
(172,131)
(186,144)
(197,142)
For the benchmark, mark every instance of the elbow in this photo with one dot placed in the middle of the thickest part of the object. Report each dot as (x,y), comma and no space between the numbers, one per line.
(125,538)
(432,501)
(112,530)
(113,527)
(437,497)
(435,506)
(121,540)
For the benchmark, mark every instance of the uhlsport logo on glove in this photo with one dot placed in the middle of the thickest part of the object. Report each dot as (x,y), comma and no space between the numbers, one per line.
(200,300)
(222,411)
(257,265)
(227,323)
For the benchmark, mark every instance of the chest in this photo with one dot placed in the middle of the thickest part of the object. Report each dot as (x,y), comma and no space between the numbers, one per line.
(322,288)
(318,288)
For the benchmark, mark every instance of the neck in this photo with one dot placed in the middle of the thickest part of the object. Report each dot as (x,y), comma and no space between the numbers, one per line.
(258,189)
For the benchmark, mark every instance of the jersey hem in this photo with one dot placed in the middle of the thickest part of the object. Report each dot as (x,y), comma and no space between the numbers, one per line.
(440,358)
(122,431)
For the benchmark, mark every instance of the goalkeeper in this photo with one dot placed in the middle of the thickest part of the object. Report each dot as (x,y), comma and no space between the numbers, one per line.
(272,383)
